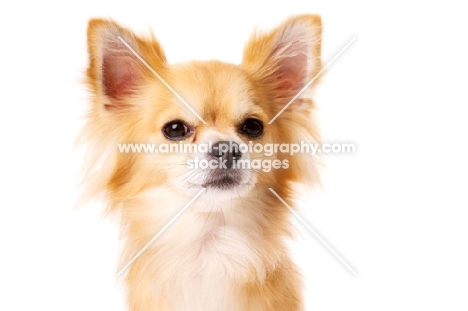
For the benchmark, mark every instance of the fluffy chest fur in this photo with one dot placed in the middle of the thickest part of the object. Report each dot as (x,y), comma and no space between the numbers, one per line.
(207,255)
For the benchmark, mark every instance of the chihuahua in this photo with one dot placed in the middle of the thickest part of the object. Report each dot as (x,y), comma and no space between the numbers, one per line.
(226,249)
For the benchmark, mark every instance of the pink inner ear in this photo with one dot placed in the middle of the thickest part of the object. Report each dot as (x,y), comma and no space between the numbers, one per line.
(291,74)
(120,76)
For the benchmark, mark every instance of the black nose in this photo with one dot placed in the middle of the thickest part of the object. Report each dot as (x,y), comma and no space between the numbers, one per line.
(226,151)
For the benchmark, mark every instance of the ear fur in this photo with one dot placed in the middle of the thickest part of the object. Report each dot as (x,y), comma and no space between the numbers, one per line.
(115,73)
(287,58)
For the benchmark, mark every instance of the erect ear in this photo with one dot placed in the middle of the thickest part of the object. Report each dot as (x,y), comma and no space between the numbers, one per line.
(287,58)
(115,73)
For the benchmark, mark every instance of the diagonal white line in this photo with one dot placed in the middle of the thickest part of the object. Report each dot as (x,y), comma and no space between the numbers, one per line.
(313,79)
(160,232)
(315,233)
(162,80)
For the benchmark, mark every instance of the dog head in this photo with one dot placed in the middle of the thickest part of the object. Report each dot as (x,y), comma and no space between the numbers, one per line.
(199,125)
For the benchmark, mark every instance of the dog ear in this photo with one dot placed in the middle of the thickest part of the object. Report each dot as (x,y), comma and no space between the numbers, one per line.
(287,58)
(115,73)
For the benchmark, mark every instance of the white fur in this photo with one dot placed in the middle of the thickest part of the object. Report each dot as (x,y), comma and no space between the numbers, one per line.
(207,249)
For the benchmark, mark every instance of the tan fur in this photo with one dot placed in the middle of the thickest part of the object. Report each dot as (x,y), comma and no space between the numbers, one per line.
(220,254)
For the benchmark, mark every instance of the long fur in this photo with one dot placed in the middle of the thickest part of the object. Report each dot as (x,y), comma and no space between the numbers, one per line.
(224,253)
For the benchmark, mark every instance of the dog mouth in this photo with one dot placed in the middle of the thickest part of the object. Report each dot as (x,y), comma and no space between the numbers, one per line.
(222,182)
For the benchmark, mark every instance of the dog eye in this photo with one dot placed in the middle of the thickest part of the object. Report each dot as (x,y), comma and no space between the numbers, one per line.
(176,130)
(252,127)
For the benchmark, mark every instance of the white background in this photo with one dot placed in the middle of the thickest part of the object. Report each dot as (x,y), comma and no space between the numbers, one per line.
(396,210)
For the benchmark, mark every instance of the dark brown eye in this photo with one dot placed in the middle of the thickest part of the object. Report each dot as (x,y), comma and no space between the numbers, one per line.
(176,130)
(252,127)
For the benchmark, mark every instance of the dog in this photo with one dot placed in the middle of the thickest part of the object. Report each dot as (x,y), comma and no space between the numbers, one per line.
(226,249)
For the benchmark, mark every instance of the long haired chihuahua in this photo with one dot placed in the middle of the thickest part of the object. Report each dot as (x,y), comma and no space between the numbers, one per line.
(201,227)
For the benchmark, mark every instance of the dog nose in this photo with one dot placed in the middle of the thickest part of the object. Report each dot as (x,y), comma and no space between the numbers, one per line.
(226,151)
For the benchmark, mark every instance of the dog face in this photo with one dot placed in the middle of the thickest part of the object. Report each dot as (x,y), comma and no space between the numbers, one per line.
(208,115)
(223,97)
